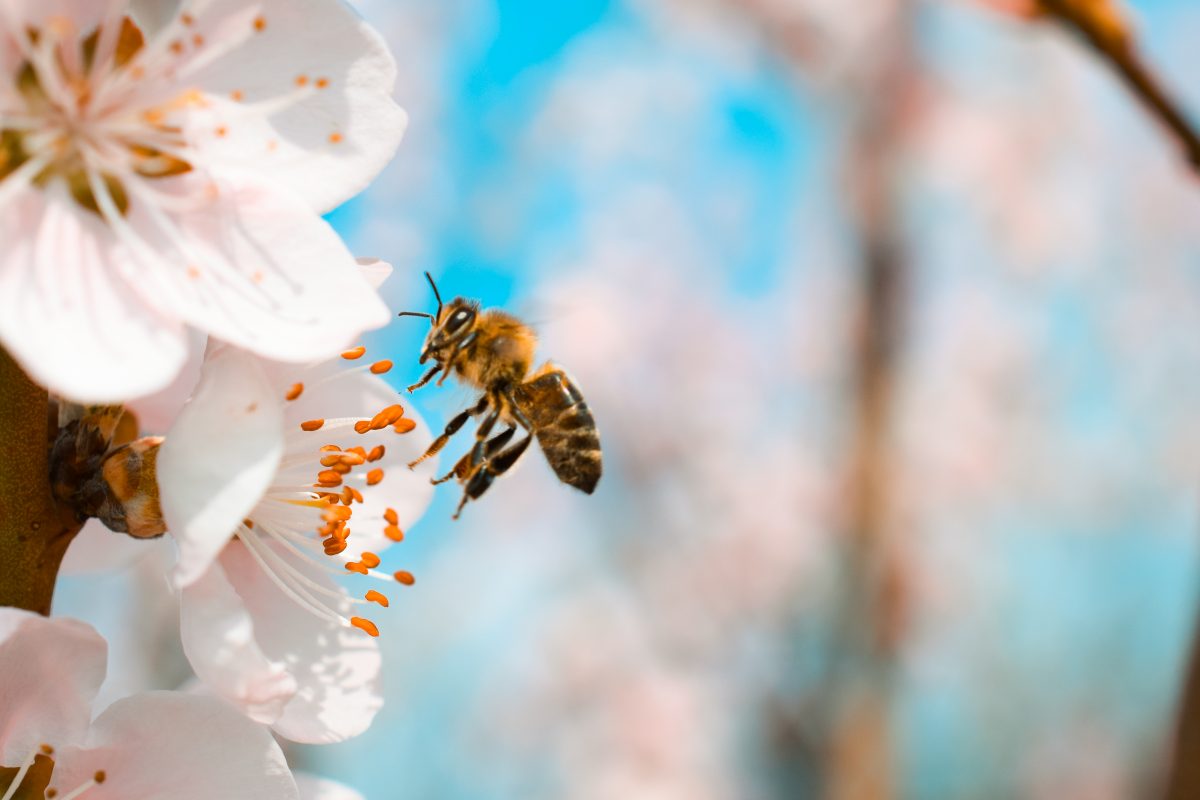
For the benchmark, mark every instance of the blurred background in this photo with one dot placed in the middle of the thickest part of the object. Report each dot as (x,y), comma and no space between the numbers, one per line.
(886,311)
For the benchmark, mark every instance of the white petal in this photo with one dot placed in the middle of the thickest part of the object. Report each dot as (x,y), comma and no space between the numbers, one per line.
(83,14)
(219,458)
(314,788)
(218,639)
(50,671)
(97,549)
(157,412)
(257,268)
(337,668)
(374,271)
(406,491)
(67,316)
(173,746)
(327,145)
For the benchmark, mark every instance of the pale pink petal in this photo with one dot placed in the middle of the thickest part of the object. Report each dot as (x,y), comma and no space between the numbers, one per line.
(257,268)
(51,670)
(97,549)
(218,639)
(83,14)
(71,326)
(341,126)
(314,788)
(336,668)
(157,412)
(374,271)
(173,746)
(219,458)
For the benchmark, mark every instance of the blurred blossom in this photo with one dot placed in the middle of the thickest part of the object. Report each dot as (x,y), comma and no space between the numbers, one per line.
(157,744)
(159,178)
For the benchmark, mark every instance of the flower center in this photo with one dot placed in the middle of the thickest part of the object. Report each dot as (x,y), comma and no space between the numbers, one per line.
(305,518)
(32,780)
(75,115)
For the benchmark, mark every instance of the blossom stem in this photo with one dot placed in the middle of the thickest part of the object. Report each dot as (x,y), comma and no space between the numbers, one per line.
(34,530)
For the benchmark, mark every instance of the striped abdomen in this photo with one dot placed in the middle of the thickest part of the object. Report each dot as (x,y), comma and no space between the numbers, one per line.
(564,427)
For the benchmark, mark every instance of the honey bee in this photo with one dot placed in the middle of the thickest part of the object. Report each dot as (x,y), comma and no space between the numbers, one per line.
(493,351)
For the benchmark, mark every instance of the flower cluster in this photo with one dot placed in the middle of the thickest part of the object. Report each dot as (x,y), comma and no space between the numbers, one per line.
(164,166)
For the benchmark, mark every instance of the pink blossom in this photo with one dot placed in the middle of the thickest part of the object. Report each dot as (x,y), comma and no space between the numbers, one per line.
(150,746)
(159,178)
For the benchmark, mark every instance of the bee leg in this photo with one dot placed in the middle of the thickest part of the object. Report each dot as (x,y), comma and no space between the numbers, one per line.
(463,468)
(425,379)
(451,429)
(489,470)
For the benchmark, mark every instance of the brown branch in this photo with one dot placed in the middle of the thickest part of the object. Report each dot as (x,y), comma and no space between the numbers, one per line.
(1183,776)
(34,530)
(1097,24)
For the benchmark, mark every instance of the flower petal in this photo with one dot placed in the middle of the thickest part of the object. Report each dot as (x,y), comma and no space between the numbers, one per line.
(157,412)
(219,458)
(258,268)
(50,671)
(314,788)
(337,668)
(97,549)
(218,639)
(341,126)
(174,746)
(64,312)
(374,271)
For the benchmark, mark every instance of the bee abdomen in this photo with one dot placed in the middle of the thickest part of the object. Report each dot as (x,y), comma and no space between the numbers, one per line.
(565,428)
(572,446)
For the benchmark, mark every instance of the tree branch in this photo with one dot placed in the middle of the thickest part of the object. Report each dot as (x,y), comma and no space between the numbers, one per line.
(34,530)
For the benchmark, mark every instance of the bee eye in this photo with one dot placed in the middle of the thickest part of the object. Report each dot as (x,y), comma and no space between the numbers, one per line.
(457,320)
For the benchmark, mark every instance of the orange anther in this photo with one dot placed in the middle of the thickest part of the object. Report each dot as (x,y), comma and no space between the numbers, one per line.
(237,95)
(405,577)
(336,513)
(354,352)
(198,40)
(176,47)
(356,494)
(47,750)
(365,624)
(362,451)
(260,24)
(328,477)
(362,426)
(334,547)
(391,516)
(374,476)
(322,83)
(340,468)
(100,776)
(370,560)
(221,131)
(351,459)
(294,392)
(187,19)
(302,80)
(394,533)
(330,448)
(380,367)
(249,523)
(335,137)
(376,597)
(387,417)
(376,453)
(312,425)
(329,461)
(404,425)
(355,566)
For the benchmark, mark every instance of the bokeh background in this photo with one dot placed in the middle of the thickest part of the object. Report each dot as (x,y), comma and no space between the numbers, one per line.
(887,311)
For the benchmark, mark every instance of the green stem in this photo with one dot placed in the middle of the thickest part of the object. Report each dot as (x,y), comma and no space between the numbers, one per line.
(34,530)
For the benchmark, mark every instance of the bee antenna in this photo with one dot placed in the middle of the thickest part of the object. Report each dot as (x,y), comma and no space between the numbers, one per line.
(436,294)
(416,314)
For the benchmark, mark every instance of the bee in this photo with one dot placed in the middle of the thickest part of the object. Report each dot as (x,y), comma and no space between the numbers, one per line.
(493,351)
